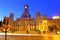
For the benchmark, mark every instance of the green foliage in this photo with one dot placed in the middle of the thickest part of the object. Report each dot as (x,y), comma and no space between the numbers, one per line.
(5,22)
(0,23)
(52,28)
(38,31)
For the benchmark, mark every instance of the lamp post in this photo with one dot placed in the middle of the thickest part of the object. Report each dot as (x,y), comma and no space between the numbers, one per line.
(5,22)
(6,32)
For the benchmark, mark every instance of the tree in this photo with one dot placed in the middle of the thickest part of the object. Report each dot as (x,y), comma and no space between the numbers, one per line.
(5,22)
(0,23)
(52,28)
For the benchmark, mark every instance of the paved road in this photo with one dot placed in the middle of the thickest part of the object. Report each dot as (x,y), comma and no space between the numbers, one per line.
(31,37)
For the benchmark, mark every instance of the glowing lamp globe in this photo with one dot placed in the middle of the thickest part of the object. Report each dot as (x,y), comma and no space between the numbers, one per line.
(25,7)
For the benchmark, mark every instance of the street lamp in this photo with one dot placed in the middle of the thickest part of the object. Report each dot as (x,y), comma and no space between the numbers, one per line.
(5,22)
(6,32)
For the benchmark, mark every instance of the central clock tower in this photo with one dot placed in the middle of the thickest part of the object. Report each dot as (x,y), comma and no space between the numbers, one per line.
(26,13)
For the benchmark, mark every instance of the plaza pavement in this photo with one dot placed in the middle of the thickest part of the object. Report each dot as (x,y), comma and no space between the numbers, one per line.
(13,36)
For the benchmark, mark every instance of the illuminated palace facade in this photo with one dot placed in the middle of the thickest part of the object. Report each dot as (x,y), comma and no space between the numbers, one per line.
(26,22)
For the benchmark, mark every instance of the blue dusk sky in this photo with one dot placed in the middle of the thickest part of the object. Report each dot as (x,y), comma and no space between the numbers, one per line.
(47,7)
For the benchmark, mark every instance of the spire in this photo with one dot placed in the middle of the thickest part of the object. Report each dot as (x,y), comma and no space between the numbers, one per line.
(26,13)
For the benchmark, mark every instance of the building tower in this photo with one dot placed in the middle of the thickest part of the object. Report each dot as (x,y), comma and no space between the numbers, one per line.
(26,13)
(37,13)
(37,20)
(11,20)
(25,17)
